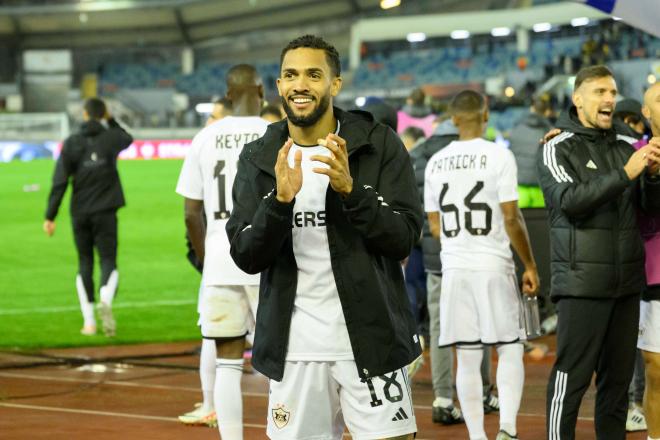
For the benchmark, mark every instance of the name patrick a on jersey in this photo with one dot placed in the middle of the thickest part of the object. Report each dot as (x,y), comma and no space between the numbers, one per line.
(460,162)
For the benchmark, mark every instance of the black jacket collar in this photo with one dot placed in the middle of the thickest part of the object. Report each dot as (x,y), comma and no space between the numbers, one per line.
(355,128)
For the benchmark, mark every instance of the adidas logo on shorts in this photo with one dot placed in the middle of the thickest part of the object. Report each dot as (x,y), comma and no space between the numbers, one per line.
(400,415)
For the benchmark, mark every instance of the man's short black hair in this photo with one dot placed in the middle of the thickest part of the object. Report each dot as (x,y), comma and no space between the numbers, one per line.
(467,101)
(314,42)
(591,72)
(95,108)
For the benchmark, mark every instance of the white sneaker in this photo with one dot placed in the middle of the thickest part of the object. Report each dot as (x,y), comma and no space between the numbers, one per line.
(199,416)
(635,420)
(107,319)
(88,330)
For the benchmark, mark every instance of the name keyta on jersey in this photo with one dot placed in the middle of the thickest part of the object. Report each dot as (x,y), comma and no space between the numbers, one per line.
(235,140)
(460,162)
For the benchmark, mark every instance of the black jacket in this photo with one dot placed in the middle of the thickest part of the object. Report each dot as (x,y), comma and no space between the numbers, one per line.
(525,141)
(596,248)
(369,232)
(443,135)
(90,157)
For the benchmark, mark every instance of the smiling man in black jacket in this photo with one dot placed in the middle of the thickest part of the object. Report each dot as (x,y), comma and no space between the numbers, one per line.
(325,207)
(90,159)
(593,181)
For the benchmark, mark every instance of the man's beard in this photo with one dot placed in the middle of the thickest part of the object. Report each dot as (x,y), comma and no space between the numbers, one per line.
(306,120)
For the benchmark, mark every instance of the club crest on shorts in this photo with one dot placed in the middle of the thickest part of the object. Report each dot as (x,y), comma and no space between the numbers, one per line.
(280,415)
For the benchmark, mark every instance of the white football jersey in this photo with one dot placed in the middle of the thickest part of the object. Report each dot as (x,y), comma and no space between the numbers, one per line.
(208,174)
(318,328)
(466,181)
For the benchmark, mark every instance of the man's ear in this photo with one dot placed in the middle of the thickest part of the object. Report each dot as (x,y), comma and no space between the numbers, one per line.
(336,85)
(646,111)
(577,99)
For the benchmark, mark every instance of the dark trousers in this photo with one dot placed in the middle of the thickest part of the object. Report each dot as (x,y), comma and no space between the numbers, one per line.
(98,230)
(593,336)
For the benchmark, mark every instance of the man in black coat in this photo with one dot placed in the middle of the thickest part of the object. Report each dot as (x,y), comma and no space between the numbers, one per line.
(89,157)
(593,182)
(325,207)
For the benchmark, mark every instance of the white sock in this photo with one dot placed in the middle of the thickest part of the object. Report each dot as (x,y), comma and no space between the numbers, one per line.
(510,381)
(228,399)
(86,307)
(469,389)
(207,372)
(108,290)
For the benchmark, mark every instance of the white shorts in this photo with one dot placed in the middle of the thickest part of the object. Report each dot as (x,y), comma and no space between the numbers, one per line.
(315,399)
(649,326)
(228,311)
(480,307)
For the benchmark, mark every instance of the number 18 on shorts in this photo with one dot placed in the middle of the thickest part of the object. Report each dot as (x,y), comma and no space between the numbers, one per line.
(315,400)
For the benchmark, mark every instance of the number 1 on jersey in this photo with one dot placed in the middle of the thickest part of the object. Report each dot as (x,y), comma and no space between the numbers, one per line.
(222,212)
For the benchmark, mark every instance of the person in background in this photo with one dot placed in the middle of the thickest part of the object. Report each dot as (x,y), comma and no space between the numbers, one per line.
(442,358)
(222,108)
(629,121)
(524,144)
(89,159)
(649,328)
(412,136)
(416,113)
(229,296)
(271,113)
(593,182)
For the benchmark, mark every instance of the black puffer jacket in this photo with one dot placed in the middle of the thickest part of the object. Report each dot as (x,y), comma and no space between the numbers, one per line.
(596,248)
(443,135)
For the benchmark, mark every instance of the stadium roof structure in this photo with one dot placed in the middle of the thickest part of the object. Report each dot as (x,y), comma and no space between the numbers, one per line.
(28,24)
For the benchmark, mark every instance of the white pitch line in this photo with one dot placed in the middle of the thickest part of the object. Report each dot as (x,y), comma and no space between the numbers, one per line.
(105,413)
(113,383)
(120,305)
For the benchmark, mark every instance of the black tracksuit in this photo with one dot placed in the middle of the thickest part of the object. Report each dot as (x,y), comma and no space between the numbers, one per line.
(597,264)
(90,157)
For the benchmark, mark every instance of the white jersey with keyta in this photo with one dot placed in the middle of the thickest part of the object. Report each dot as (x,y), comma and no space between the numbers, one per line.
(208,174)
(466,181)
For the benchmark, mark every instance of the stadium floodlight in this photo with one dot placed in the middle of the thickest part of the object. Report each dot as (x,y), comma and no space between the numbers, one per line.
(500,32)
(542,27)
(416,37)
(360,101)
(509,92)
(579,21)
(651,79)
(389,4)
(204,107)
(460,34)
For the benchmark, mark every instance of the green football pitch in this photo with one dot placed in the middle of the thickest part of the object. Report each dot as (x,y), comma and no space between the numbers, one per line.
(157,297)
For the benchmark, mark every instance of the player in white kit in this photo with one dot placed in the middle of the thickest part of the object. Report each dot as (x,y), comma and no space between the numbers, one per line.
(229,295)
(325,208)
(470,196)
